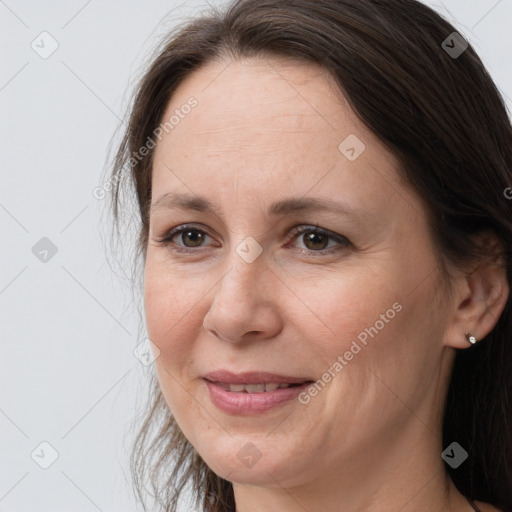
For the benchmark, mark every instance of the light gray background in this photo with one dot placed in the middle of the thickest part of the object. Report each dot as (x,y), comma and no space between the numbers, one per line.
(68,326)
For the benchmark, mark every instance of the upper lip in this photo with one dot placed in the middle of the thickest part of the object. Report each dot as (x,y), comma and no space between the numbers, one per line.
(227,377)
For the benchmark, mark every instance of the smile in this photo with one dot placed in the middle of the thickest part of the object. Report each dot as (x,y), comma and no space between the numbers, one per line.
(250,393)
(253,388)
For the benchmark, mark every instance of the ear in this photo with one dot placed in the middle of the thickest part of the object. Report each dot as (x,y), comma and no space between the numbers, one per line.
(479,297)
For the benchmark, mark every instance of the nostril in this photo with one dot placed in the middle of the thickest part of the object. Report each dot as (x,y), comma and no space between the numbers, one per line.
(223,337)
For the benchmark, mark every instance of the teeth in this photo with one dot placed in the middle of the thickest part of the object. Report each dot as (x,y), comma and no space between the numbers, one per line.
(253,388)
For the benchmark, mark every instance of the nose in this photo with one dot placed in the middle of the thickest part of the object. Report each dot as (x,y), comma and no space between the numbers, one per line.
(244,303)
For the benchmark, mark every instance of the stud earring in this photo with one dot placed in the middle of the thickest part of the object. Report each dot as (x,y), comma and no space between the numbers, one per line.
(471,339)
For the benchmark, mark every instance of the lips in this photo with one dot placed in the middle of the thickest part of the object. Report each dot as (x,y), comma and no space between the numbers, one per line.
(252,393)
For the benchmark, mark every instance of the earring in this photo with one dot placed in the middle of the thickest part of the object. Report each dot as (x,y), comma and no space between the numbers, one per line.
(471,339)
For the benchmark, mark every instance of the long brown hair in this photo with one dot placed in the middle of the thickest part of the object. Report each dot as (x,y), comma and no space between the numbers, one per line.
(445,121)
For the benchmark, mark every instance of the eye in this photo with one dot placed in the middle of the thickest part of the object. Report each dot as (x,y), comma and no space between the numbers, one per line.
(319,240)
(314,239)
(189,236)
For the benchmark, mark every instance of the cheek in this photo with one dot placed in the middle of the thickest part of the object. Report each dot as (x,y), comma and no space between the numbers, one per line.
(173,320)
(339,309)
(173,309)
(376,325)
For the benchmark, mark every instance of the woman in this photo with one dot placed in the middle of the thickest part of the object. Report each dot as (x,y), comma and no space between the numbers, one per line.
(326,239)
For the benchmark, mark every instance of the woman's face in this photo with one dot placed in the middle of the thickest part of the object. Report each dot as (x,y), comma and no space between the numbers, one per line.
(351,302)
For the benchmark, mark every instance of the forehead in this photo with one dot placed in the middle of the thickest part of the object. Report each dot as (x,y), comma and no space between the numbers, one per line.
(257,96)
(264,125)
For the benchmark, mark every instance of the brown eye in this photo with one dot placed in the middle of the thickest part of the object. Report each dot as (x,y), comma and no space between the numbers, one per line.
(315,241)
(184,239)
(194,236)
(319,240)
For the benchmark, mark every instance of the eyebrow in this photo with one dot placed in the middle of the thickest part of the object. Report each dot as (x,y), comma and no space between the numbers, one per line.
(187,202)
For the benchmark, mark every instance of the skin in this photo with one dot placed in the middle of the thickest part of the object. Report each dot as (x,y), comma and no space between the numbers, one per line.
(265,129)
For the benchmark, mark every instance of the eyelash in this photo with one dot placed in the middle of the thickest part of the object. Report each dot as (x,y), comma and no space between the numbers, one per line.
(296,232)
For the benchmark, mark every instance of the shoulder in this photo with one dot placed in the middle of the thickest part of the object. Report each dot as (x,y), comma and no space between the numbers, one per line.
(486,507)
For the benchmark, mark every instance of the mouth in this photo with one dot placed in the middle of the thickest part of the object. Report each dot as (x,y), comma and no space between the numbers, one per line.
(252,392)
(263,387)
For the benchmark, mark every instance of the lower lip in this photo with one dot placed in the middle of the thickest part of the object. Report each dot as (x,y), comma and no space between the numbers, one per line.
(252,403)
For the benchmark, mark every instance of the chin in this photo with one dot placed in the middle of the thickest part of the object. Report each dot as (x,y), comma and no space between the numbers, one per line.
(249,465)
